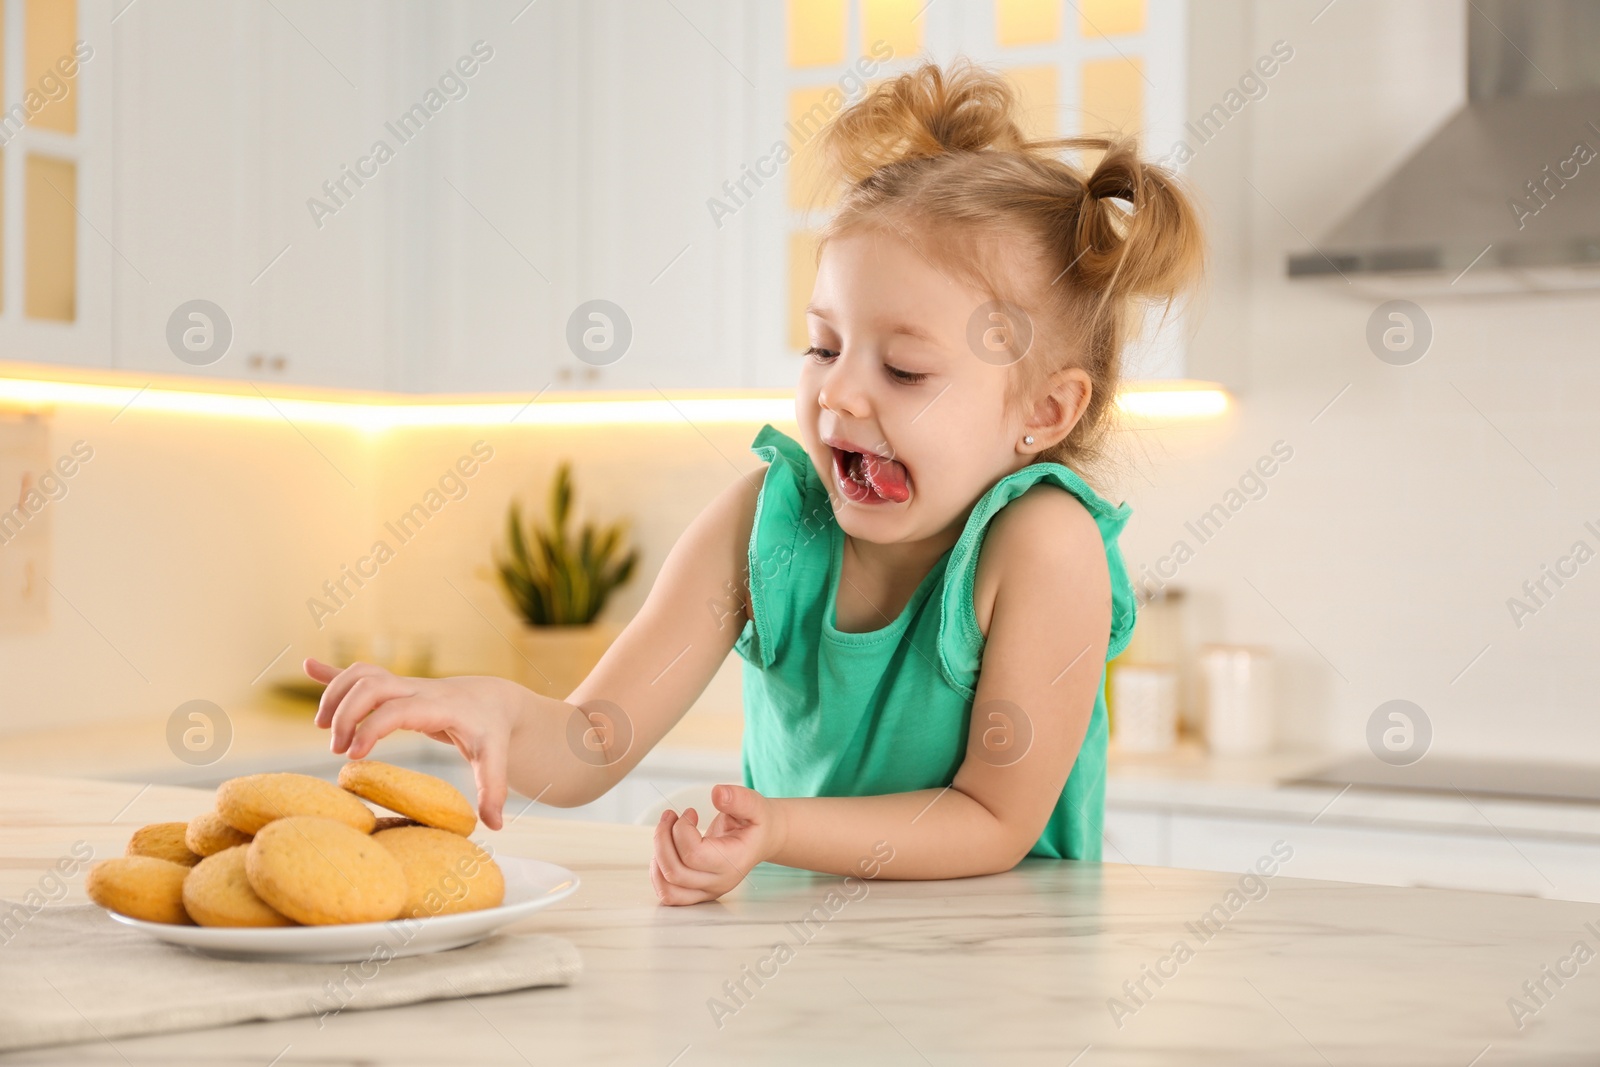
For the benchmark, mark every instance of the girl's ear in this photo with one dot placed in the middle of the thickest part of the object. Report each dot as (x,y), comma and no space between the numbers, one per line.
(1056,412)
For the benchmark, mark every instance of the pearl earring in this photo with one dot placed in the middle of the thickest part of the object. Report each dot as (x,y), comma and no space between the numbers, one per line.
(1028,440)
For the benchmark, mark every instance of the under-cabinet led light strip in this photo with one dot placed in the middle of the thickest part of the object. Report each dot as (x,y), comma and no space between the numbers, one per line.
(1179,400)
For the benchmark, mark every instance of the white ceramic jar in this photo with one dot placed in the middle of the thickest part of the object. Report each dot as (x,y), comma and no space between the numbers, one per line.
(1236,682)
(1144,701)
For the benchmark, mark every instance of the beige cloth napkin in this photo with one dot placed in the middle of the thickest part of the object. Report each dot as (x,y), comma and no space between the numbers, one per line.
(74,974)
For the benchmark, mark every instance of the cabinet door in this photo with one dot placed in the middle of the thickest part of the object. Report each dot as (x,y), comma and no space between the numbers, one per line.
(228,121)
(1403,857)
(1137,837)
(580,173)
(56,238)
(186,140)
(670,86)
(56,250)
(321,240)
(492,262)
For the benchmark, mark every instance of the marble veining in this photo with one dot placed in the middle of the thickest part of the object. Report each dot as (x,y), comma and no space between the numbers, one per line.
(1051,963)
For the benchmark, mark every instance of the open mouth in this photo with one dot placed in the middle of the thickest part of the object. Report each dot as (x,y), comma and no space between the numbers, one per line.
(867,479)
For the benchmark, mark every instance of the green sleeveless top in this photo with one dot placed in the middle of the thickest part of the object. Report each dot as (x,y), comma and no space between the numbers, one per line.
(862,714)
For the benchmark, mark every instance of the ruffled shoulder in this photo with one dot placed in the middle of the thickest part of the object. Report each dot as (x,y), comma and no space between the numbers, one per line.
(960,640)
(792,509)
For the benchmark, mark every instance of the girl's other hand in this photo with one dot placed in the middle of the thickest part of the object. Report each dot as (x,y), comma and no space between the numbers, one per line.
(364,703)
(690,867)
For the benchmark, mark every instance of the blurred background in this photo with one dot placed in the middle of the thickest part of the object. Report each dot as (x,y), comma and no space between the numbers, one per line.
(302,302)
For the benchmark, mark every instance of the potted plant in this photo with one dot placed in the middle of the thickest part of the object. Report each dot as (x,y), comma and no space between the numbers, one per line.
(559,584)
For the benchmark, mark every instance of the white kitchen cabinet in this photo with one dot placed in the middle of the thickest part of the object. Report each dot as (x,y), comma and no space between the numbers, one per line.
(185,176)
(574,165)
(1400,855)
(585,165)
(323,94)
(1136,837)
(579,171)
(669,93)
(493,262)
(228,119)
(578,163)
(58,248)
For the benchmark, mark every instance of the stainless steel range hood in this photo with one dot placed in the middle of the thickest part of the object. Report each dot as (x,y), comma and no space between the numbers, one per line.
(1510,185)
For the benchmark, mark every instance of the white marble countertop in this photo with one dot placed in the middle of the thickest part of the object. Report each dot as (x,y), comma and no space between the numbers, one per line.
(1027,967)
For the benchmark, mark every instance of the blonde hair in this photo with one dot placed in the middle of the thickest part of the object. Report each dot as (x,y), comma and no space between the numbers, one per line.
(941,151)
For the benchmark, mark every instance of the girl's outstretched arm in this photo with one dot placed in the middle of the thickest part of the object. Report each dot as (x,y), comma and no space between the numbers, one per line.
(1045,589)
(569,752)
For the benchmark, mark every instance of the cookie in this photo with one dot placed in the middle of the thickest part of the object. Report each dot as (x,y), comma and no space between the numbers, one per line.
(164,841)
(320,871)
(140,887)
(249,803)
(392,822)
(445,872)
(208,834)
(429,800)
(217,893)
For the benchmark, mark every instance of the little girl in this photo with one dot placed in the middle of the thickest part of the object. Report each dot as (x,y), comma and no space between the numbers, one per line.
(924,591)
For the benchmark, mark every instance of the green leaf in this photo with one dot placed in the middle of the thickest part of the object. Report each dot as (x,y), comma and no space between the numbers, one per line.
(607,544)
(561,504)
(519,546)
(549,563)
(582,597)
(519,591)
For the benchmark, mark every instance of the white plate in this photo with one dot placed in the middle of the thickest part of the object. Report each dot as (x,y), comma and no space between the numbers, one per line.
(530,886)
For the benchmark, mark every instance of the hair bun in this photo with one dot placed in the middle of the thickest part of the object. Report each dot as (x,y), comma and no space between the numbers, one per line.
(923,112)
(1149,249)
(1112,183)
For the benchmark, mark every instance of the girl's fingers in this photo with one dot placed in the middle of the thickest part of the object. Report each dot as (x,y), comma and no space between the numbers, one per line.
(724,855)
(671,894)
(361,700)
(338,687)
(486,753)
(698,854)
(658,883)
(655,882)
(489,769)
(667,857)
(319,671)
(406,712)
(666,851)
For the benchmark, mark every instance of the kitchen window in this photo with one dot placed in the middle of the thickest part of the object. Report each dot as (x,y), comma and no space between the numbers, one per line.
(1080,67)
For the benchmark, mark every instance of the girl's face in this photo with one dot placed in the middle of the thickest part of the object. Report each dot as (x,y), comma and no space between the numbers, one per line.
(903,420)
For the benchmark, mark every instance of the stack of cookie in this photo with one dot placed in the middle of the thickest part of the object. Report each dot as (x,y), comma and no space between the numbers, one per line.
(290,849)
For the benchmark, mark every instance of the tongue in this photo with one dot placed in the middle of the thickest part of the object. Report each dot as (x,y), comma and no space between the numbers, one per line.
(887,477)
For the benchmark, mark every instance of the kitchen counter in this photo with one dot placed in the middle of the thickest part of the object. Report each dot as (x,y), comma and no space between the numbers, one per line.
(277,734)
(1190,778)
(1028,966)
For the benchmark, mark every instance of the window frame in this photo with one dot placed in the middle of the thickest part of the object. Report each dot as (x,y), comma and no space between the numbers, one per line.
(970,29)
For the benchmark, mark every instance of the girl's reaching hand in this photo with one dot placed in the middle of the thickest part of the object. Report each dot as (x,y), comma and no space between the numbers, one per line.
(690,867)
(364,703)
